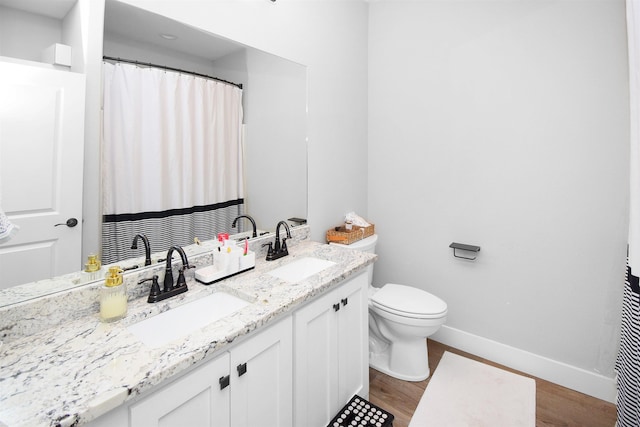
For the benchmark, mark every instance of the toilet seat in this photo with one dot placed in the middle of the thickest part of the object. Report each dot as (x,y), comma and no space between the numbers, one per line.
(409,302)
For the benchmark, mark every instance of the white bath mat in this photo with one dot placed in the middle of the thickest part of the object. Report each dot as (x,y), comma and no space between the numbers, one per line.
(466,393)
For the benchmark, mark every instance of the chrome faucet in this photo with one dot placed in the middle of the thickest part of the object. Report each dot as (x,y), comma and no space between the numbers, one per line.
(253,224)
(277,250)
(147,247)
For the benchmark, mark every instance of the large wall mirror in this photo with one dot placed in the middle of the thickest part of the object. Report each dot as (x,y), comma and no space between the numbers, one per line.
(274,103)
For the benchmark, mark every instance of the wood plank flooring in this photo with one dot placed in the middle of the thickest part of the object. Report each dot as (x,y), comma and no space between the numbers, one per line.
(555,405)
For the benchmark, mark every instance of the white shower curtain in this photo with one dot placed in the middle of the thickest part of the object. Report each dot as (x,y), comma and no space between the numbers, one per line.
(628,362)
(172,158)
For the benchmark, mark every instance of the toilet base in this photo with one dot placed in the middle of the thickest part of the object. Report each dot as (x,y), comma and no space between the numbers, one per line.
(380,362)
(412,357)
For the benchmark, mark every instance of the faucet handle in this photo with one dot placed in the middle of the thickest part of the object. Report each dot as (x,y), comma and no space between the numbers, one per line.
(269,251)
(155,287)
(181,280)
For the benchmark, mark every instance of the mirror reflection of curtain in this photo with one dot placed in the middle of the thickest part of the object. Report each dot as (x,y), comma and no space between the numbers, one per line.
(628,362)
(172,158)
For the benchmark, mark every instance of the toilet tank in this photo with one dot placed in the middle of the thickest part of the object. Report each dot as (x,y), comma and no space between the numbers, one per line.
(365,245)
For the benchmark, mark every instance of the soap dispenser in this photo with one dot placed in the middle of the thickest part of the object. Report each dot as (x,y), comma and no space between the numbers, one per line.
(113,296)
(92,269)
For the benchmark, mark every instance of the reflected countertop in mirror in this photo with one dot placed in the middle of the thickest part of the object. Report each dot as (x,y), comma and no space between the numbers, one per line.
(29,291)
(40,288)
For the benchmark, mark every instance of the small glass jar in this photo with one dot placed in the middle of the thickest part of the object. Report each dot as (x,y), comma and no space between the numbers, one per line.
(113,296)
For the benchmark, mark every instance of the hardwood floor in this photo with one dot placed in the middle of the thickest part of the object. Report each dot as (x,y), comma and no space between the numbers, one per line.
(555,405)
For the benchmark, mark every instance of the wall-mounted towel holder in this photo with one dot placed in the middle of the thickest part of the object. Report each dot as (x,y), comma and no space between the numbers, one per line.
(463,247)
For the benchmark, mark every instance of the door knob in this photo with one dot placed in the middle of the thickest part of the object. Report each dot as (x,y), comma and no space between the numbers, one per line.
(71,222)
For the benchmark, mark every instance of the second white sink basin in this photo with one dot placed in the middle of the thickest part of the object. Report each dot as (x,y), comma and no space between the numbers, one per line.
(180,321)
(301,269)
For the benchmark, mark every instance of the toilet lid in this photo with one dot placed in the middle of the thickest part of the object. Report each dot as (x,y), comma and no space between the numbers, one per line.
(411,301)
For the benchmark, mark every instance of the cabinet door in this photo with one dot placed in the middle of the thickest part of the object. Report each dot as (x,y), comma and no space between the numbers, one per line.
(262,378)
(195,399)
(353,340)
(316,361)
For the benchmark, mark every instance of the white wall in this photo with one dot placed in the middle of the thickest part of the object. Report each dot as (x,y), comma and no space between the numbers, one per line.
(504,124)
(84,25)
(330,38)
(275,139)
(118,46)
(25,35)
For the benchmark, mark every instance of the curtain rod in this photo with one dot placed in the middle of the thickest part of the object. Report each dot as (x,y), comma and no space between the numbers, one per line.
(164,67)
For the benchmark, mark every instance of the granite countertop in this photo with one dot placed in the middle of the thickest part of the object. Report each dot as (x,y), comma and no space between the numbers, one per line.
(71,374)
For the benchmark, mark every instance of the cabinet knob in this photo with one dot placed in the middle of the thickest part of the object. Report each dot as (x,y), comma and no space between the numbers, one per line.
(224,382)
(336,307)
(344,301)
(242,369)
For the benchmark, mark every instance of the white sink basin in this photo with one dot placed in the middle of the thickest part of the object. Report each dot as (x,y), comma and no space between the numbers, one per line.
(301,269)
(180,321)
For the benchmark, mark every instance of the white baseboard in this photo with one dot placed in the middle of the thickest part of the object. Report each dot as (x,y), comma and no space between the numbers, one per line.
(578,379)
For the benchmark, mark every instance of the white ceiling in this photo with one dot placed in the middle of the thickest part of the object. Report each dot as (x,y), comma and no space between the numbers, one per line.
(139,25)
(143,26)
(53,8)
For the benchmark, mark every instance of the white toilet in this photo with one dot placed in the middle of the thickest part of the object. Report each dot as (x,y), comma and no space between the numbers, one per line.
(400,319)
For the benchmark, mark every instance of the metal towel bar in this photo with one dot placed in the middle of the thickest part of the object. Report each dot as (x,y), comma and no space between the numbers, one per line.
(463,247)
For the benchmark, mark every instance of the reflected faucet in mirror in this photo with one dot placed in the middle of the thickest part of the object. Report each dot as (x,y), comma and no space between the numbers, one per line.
(147,247)
(253,224)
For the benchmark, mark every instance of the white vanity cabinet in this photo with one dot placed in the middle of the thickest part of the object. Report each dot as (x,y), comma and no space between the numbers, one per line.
(195,399)
(249,385)
(262,378)
(331,357)
(298,372)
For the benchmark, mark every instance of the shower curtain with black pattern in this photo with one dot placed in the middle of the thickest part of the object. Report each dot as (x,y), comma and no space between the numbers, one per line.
(172,165)
(628,361)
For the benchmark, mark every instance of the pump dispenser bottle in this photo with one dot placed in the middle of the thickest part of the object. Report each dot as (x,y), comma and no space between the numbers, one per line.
(92,269)
(113,296)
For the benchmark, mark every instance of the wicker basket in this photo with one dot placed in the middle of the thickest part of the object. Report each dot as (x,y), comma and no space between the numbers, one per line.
(347,237)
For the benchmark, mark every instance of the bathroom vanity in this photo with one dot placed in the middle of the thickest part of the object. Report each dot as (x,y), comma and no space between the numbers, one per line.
(293,355)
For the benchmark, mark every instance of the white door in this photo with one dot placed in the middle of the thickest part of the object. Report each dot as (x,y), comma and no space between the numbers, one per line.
(41,169)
